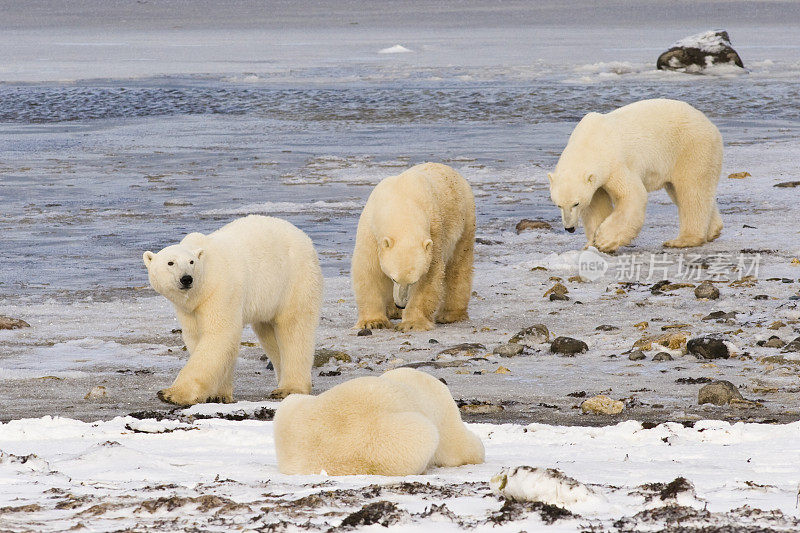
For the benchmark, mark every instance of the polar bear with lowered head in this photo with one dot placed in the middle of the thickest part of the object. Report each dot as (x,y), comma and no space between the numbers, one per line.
(256,270)
(398,424)
(414,250)
(612,161)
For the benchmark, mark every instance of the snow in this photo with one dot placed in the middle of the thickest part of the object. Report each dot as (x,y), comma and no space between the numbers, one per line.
(125,473)
(709,41)
(396,49)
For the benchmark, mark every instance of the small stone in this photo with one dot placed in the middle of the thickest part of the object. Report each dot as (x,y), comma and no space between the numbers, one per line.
(787,184)
(576,279)
(433,341)
(568,346)
(527,224)
(558,297)
(468,349)
(558,289)
(606,327)
(641,326)
(502,370)
(6,322)
(719,393)
(662,356)
(531,336)
(674,341)
(508,350)
(739,175)
(96,393)
(774,342)
(602,405)
(658,286)
(707,291)
(777,325)
(793,346)
(637,355)
(708,348)
(721,315)
(761,297)
(323,355)
(365,332)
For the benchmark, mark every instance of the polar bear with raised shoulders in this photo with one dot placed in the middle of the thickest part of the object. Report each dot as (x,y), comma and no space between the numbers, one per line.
(414,250)
(256,270)
(612,161)
(398,424)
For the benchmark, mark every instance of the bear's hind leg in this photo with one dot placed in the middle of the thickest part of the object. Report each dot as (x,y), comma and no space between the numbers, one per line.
(458,281)
(294,335)
(595,213)
(694,214)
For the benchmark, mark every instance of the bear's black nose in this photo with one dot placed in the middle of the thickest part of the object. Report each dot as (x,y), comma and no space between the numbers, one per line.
(186,281)
(571,230)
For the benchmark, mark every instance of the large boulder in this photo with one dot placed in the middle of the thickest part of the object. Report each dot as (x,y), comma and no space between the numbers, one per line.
(694,54)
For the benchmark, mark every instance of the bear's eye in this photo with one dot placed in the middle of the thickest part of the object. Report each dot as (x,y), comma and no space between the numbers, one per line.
(191,262)
(170,263)
(576,204)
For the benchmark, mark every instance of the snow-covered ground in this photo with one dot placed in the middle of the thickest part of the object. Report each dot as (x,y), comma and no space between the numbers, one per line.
(216,474)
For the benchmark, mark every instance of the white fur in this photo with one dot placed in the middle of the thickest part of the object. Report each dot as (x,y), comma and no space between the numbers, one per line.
(414,250)
(256,270)
(612,161)
(397,424)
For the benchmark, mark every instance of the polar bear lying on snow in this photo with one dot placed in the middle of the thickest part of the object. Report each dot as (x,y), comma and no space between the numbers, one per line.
(414,250)
(256,270)
(397,424)
(612,161)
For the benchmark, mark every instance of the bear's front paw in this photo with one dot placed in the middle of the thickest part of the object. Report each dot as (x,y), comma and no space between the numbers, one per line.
(178,396)
(608,240)
(447,317)
(684,242)
(414,325)
(394,312)
(374,323)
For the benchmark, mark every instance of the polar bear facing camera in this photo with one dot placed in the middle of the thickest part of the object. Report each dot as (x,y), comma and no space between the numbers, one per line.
(613,161)
(397,424)
(414,250)
(256,270)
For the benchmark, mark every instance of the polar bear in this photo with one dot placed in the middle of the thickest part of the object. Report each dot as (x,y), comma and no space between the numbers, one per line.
(612,161)
(398,424)
(256,270)
(414,250)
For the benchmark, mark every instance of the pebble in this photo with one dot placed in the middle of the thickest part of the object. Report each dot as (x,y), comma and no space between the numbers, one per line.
(602,405)
(96,393)
(526,224)
(558,288)
(706,291)
(508,350)
(719,393)
(638,355)
(788,184)
(433,341)
(6,322)
(365,332)
(323,355)
(739,175)
(568,346)
(531,336)
(662,356)
(558,297)
(721,315)
(606,327)
(793,346)
(774,342)
(708,348)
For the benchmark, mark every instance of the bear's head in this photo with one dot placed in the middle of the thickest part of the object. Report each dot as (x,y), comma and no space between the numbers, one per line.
(175,272)
(405,258)
(572,192)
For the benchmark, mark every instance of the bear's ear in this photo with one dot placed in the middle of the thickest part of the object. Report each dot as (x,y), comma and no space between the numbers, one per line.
(198,253)
(147,257)
(427,244)
(590,179)
(386,242)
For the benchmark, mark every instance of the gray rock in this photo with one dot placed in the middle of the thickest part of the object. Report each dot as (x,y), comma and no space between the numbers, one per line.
(468,349)
(719,393)
(638,355)
(531,336)
(662,356)
(606,327)
(554,296)
(707,291)
(775,342)
(793,346)
(323,355)
(787,184)
(708,348)
(508,350)
(697,52)
(568,346)
(6,322)
(364,332)
(721,315)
